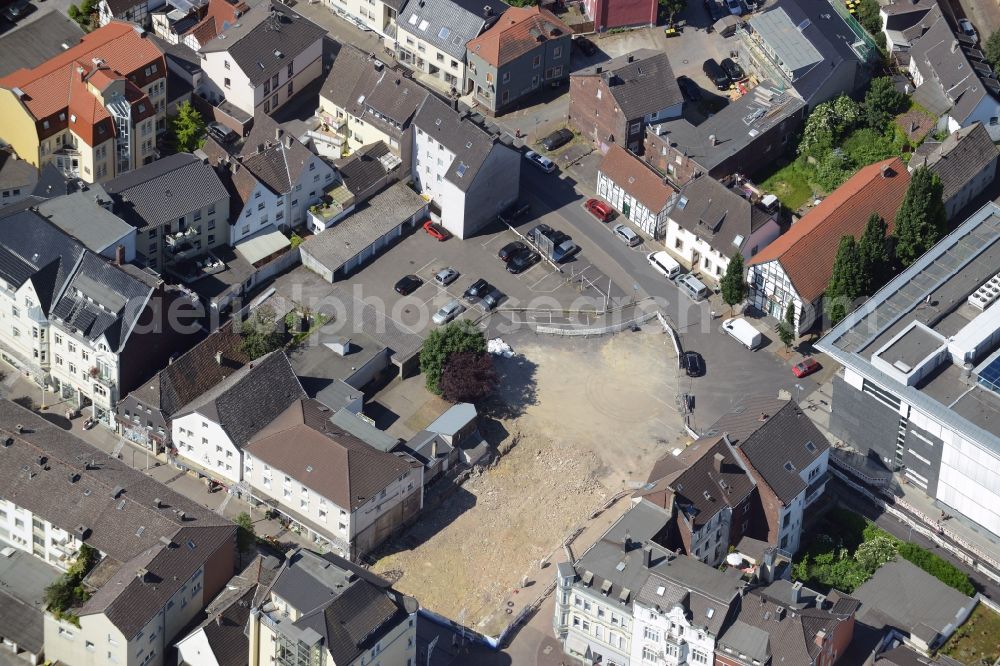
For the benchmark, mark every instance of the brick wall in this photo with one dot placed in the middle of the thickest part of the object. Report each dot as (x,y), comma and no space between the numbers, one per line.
(609,14)
(596,118)
(770,507)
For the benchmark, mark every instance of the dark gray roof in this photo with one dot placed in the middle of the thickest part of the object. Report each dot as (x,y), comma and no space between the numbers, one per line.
(22,599)
(960,158)
(904,656)
(912,600)
(32,248)
(714,213)
(364,170)
(642,82)
(250,398)
(101,299)
(51,182)
(81,215)
(353,74)
(165,190)
(369,222)
(276,163)
(778,448)
(448,25)
(269,29)
(33,43)
(348,607)
(15,172)
(352,424)
(470,144)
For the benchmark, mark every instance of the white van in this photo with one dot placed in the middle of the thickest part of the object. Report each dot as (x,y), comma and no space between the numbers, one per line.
(743,332)
(664,264)
(692,287)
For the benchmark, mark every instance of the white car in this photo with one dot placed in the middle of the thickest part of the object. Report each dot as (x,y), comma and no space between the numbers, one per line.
(543,163)
(966,27)
(448,311)
(734,6)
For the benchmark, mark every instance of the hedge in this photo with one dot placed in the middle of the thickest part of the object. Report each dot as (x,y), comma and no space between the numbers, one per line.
(940,568)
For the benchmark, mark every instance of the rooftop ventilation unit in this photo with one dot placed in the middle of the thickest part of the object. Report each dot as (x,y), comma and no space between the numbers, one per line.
(987,294)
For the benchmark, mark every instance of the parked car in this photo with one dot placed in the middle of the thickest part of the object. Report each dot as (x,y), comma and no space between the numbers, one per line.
(626,235)
(585,45)
(543,163)
(491,299)
(514,212)
(734,7)
(448,311)
(564,251)
(477,289)
(557,139)
(523,261)
(18,10)
(407,285)
(714,10)
(805,367)
(664,264)
(716,74)
(693,364)
(733,70)
(508,251)
(966,27)
(689,89)
(446,276)
(537,231)
(743,332)
(599,209)
(222,134)
(435,230)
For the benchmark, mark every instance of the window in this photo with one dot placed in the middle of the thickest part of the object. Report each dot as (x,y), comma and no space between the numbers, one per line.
(649,654)
(225,64)
(536,61)
(556,52)
(651,634)
(699,657)
(225,82)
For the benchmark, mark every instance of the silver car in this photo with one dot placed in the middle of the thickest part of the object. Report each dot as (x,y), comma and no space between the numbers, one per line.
(446,276)
(448,311)
(626,235)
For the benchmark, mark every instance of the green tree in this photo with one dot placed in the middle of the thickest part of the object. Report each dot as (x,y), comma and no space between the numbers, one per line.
(921,220)
(260,334)
(845,280)
(459,336)
(468,377)
(73,12)
(874,553)
(827,125)
(992,50)
(873,250)
(672,8)
(786,328)
(733,285)
(246,535)
(882,102)
(188,128)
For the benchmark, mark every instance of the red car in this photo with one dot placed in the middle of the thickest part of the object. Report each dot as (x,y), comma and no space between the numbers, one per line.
(436,231)
(599,209)
(806,367)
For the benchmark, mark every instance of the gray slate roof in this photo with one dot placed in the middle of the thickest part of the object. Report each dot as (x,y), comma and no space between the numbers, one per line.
(81,215)
(276,163)
(448,25)
(33,43)
(33,249)
(269,28)
(369,222)
(250,398)
(642,82)
(22,599)
(165,190)
(15,172)
(470,144)
(960,158)
(714,213)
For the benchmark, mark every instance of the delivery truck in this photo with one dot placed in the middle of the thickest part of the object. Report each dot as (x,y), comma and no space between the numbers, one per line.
(743,332)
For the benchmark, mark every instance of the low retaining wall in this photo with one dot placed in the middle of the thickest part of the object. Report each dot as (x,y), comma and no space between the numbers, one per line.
(602,330)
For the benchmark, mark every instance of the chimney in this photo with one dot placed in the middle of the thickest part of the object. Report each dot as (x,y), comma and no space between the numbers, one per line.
(277,134)
(711,139)
(288,141)
(120,255)
(796,591)
(631,57)
(647,556)
(218,357)
(434,448)
(717,462)
(779,614)
(628,541)
(821,637)
(598,69)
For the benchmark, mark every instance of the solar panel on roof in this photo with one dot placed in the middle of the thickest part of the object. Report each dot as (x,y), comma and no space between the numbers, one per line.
(989,377)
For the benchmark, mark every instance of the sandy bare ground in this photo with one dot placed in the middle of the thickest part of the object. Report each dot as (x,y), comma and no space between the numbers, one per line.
(587,418)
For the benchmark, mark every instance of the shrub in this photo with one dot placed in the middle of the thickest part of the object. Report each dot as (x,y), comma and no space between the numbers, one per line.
(940,568)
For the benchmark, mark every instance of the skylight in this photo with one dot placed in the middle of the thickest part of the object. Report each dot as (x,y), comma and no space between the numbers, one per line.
(443,33)
(423,25)
(413,19)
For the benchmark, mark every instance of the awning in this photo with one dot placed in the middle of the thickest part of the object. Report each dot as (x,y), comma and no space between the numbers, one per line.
(577,645)
(262,245)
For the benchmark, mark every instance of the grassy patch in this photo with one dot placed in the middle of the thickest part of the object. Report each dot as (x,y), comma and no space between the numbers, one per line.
(978,640)
(790,184)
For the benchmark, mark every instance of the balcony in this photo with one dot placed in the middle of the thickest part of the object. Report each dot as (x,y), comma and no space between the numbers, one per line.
(178,238)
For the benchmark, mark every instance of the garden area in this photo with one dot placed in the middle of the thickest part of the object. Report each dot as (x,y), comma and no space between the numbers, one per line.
(845,549)
(978,640)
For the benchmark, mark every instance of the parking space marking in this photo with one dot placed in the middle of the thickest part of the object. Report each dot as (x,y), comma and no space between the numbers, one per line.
(424,267)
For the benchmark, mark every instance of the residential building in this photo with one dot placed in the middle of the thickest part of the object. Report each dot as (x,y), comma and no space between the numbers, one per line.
(527,49)
(745,137)
(22,603)
(264,59)
(469,175)
(803,628)
(133,11)
(371,229)
(363,101)
(145,415)
(796,267)
(369,170)
(904,656)
(953,80)
(58,498)
(178,206)
(178,22)
(377,15)
(17,178)
(906,601)
(787,457)
(610,14)
(433,34)
(807,49)
(325,608)
(86,216)
(900,21)
(919,389)
(965,161)
(93,110)
(615,101)
(709,222)
(211,431)
(642,196)
(343,493)
(45,37)
(627,600)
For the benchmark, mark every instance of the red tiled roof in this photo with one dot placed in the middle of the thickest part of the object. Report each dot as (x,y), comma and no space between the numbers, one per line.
(48,87)
(518,31)
(220,13)
(632,175)
(806,252)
